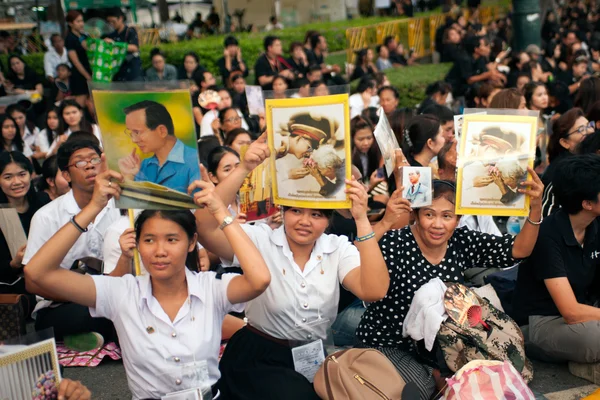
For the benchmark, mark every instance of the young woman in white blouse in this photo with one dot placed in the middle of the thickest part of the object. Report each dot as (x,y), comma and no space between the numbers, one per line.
(306,268)
(48,135)
(169,321)
(72,120)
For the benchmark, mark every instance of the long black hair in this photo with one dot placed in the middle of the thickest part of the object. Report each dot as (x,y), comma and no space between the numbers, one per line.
(18,140)
(15,157)
(185,219)
(49,171)
(50,134)
(419,130)
(84,124)
(215,157)
(373,154)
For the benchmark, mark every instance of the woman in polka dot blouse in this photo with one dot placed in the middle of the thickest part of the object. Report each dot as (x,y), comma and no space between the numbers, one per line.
(434,248)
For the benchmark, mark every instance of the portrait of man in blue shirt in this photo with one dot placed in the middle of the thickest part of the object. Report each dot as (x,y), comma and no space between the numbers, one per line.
(151,129)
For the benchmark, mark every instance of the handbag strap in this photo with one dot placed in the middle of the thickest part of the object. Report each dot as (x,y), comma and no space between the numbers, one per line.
(10,298)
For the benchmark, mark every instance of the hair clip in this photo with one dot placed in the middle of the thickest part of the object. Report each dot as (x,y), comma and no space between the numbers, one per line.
(407,138)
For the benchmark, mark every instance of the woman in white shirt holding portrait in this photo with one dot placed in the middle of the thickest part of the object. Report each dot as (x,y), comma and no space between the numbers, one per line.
(168,321)
(306,268)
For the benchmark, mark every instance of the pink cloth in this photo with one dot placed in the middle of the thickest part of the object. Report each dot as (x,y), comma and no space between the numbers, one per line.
(72,358)
(482,379)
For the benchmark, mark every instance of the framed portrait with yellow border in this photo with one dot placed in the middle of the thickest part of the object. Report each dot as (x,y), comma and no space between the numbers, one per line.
(309,139)
(494,153)
(29,371)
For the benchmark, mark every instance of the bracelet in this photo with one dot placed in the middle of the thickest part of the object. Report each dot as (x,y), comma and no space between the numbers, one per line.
(76,225)
(535,223)
(366,237)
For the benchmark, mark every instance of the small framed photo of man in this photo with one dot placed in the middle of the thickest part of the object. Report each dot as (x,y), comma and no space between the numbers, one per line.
(150,139)
(417,185)
(310,146)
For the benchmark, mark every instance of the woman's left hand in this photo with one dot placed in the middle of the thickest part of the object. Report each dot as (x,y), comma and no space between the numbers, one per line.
(359,197)
(534,188)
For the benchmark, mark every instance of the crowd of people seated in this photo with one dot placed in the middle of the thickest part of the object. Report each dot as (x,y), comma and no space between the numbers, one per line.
(339,269)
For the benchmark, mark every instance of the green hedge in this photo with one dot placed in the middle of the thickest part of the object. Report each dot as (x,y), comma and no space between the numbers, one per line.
(210,48)
(412,81)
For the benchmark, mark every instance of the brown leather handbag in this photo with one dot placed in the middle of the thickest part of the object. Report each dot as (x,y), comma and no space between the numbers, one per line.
(358,374)
(13,315)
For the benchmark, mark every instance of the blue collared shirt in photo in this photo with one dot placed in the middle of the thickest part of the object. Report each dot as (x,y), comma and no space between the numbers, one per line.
(177,173)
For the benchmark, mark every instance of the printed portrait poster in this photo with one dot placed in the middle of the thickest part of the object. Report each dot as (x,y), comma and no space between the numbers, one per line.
(29,371)
(256,102)
(387,141)
(494,154)
(255,196)
(417,186)
(309,140)
(149,137)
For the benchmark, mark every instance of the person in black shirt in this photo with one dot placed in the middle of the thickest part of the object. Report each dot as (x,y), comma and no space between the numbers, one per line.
(317,56)
(559,283)
(196,28)
(18,192)
(363,65)
(298,60)
(396,52)
(578,70)
(450,49)
(131,69)
(232,60)
(23,78)
(76,47)
(550,60)
(472,66)
(270,64)
(191,66)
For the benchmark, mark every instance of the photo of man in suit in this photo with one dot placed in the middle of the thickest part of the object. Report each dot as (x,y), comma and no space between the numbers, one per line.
(151,129)
(415,191)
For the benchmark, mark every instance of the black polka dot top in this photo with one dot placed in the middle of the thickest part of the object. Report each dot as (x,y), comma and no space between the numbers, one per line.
(381,324)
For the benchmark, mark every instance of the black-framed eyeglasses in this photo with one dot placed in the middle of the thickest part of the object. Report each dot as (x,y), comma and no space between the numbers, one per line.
(83,163)
(584,129)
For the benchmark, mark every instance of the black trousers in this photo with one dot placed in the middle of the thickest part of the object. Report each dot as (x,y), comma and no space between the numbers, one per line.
(71,319)
(254,367)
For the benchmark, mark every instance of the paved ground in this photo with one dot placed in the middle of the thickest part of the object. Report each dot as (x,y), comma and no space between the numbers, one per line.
(552,381)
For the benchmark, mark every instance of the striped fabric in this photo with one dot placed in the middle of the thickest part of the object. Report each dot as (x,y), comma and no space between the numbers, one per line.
(481,379)
(411,370)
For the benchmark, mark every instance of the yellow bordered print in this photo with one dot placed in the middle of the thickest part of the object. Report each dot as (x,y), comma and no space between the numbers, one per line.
(34,366)
(525,155)
(307,105)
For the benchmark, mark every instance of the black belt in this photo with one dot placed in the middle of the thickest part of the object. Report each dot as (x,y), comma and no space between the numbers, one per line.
(213,388)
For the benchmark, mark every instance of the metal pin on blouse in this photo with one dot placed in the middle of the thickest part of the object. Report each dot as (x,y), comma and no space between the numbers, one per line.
(150,330)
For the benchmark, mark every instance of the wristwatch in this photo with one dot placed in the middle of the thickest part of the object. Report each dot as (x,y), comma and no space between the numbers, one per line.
(228,220)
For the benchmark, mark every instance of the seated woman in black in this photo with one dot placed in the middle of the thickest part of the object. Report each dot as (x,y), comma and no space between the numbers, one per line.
(17,190)
(364,64)
(560,281)
(434,248)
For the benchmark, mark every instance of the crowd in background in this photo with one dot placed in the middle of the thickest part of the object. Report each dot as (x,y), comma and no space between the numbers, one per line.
(52,169)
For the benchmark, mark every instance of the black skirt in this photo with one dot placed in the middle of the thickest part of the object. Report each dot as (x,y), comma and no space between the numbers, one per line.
(254,367)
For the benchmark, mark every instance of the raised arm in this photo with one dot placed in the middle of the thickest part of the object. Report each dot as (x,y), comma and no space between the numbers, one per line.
(525,240)
(397,215)
(44,270)
(209,234)
(256,277)
(370,281)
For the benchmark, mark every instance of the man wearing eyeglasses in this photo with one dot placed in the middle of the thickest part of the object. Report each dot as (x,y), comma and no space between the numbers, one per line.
(173,164)
(79,160)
